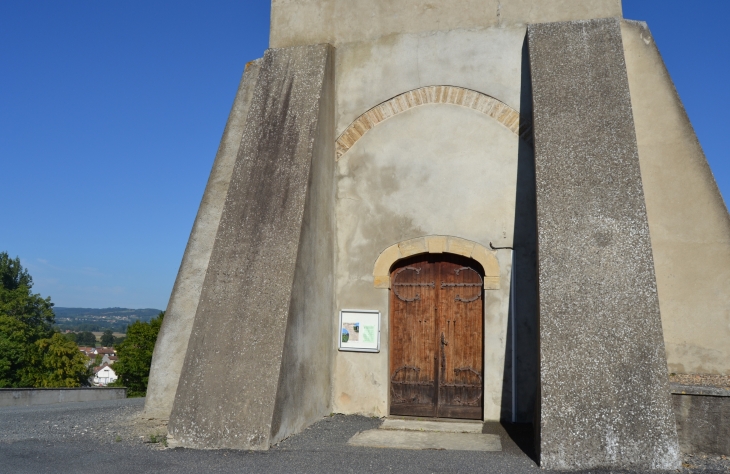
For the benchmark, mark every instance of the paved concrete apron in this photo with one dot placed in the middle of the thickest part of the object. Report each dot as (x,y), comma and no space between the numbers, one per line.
(415,434)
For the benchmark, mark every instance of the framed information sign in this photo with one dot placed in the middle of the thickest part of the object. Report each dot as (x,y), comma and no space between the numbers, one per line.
(359,330)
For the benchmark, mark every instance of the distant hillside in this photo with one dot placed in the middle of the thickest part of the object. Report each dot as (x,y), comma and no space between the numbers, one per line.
(101,319)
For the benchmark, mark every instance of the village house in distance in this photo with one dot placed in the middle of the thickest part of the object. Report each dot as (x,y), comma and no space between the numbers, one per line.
(103,374)
(489,210)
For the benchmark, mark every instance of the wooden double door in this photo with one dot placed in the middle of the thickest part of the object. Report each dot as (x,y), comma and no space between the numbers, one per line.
(436,338)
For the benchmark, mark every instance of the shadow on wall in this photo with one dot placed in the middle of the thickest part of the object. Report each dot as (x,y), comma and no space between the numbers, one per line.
(519,388)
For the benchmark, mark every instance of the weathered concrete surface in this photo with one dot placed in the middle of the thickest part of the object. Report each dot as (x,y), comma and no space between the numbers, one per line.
(703,419)
(430,425)
(426,440)
(689,223)
(342,21)
(603,377)
(172,342)
(305,382)
(257,366)
(14,397)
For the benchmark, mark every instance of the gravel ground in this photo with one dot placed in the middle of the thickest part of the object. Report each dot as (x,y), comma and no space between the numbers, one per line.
(110,436)
(103,422)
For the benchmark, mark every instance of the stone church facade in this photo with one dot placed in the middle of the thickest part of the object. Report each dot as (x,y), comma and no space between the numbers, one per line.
(513,185)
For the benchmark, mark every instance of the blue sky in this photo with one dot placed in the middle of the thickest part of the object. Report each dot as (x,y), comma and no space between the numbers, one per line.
(111,113)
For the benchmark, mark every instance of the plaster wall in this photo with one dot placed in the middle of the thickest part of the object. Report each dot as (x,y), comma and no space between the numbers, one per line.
(298,22)
(688,220)
(488,60)
(433,170)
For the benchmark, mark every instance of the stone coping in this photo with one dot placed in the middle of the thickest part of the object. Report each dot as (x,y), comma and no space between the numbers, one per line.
(701,390)
(60,388)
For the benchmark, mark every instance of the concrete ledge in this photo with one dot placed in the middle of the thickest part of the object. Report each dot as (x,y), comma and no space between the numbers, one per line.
(15,397)
(698,390)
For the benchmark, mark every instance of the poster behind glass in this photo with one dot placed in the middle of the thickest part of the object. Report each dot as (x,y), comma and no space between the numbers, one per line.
(359,330)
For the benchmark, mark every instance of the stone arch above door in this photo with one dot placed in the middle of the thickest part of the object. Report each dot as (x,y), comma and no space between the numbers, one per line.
(483,103)
(437,244)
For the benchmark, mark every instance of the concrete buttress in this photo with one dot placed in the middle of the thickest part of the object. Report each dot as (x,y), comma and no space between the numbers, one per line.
(604,394)
(172,342)
(257,367)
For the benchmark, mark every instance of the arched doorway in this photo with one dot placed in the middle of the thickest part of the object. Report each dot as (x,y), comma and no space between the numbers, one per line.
(436,337)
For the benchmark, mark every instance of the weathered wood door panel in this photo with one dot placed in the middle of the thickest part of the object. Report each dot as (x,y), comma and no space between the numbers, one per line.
(414,325)
(436,338)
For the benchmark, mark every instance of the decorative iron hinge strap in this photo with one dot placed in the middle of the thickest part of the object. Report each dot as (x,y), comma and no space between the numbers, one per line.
(412,285)
(465,285)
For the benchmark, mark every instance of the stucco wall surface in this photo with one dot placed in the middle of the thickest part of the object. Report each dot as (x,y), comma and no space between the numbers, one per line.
(297,22)
(435,170)
(172,342)
(487,60)
(603,378)
(688,220)
(432,170)
(233,378)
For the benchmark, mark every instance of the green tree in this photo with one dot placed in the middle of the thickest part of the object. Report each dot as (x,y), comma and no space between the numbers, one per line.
(25,318)
(31,354)
(135,355)
(107,339)
(58,363)
(86,338)
(15,352)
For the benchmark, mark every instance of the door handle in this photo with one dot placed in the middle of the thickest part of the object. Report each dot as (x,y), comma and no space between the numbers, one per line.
(444,342)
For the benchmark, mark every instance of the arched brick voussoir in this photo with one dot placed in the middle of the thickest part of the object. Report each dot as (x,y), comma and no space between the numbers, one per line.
(483,103)
(437,244)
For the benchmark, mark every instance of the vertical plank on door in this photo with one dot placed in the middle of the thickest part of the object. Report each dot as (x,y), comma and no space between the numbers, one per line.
(412,368)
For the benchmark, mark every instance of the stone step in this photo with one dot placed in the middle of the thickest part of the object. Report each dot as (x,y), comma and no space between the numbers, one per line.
(428,425)
(400,439)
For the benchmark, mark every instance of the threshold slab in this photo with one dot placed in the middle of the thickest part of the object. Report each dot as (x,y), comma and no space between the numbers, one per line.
(428,425)
(399,439)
